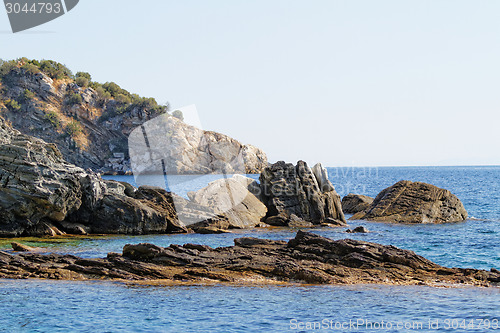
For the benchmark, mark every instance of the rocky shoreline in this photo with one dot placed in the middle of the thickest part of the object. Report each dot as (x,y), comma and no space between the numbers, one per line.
(42,193)
(307,258)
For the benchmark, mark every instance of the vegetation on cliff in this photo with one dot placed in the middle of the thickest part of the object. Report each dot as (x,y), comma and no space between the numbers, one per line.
(88,121)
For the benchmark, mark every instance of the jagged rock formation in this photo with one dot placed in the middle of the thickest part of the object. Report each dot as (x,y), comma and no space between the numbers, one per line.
(414,202)
(42,194)
(308,258)
(90,125)
(166,144)
(293,193)
(355,203)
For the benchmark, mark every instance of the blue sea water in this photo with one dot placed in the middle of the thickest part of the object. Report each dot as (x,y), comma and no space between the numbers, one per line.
(52,306)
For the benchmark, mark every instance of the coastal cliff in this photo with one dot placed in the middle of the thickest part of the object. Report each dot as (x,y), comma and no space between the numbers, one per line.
(90,122)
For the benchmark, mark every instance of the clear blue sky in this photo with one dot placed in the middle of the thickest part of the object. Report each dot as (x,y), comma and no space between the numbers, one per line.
(364,83)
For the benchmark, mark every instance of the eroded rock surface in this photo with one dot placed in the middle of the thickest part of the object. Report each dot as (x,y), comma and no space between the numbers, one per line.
(414,202)
(103,125)
(308,258)
(231,198)
(355,203)
(42,194)
(289,190)
(168,144)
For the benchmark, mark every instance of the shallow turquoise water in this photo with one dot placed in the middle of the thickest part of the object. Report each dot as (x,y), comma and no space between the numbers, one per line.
(52,306)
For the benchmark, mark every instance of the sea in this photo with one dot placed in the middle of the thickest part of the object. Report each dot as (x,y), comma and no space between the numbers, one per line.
(97,306)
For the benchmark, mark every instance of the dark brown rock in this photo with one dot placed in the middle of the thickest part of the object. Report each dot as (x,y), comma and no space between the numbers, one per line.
(289,190)
(355,203)
(359,229)
(307,258)
(414,202)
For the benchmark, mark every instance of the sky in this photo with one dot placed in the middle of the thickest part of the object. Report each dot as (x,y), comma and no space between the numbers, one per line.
(345,83)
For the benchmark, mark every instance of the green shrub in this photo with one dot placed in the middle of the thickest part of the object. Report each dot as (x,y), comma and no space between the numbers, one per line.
(114,89)
(27,95)
(82,82)
(54,69)
(6,67)
(30,68)
(53,118)
(12,105)
(73,128)
(102,95)
(178,114)
(74,98)
(35,62)
(121,110)
(124,99)
(84,75)
(145,103)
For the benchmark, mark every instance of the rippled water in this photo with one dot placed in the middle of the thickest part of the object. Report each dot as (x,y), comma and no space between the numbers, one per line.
(96,306)
(111,307)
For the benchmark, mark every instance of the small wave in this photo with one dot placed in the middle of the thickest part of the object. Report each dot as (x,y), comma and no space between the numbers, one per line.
(473,218)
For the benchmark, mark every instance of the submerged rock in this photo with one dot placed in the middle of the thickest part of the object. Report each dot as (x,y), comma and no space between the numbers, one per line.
(414,202)
(355,203)
(307,258)
(21,247)
(289,190)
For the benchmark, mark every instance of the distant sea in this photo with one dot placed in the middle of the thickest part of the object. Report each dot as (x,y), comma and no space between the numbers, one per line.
(61,306)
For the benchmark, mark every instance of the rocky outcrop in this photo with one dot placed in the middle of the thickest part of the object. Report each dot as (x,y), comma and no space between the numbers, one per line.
(90,125)
(307,258)
(414,202)
(149,210)
(42,194)
(166,144)
(231,198)
(355,203)
(296,193)
(360,229)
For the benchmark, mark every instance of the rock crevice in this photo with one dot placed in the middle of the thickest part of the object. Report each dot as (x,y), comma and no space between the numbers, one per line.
(296,192)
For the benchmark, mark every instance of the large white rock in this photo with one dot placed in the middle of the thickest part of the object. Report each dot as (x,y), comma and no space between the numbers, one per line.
(322,178)
(230,197)
(168,144)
